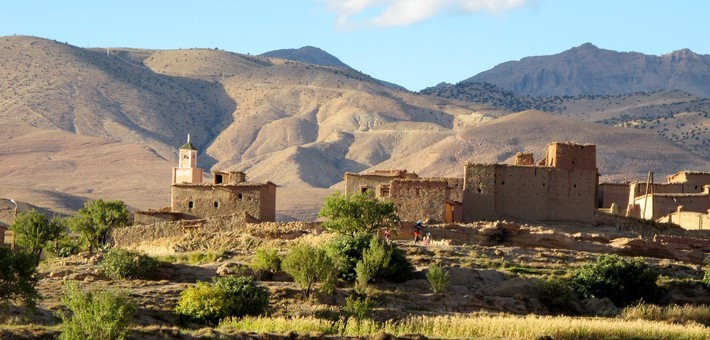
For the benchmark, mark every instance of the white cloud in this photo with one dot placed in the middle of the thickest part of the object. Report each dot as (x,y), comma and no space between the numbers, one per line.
(391,13)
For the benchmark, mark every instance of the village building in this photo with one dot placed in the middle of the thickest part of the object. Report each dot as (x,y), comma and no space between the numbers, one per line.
(684,199)
(229,193)
(435,200)
(562,188)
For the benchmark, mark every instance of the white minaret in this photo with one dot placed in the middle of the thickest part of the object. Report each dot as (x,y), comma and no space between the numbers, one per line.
(187,171)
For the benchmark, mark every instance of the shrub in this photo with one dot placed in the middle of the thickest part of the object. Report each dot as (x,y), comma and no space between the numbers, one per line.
(358,307)
(438,277)
(227,296)
(125,264)
(34,231)
(309,265)
(346,251)
(706,278)
(382,261)
(622,281)
(96,314)
(203,303)
(557,295)
(17,277)
(266,260)
(243,296)
(358,213)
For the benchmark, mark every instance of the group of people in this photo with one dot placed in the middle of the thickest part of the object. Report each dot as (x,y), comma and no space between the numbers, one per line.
(418,234)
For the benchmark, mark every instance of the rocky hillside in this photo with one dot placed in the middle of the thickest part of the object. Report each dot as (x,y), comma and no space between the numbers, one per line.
(307,54)
(676,115)
(587,69)
(82,124)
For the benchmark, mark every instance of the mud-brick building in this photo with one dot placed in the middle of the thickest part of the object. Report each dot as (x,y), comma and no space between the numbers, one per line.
(436,200)
(562,187)
(229,193)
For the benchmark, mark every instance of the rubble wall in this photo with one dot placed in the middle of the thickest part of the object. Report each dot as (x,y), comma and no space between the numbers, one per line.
(420,199)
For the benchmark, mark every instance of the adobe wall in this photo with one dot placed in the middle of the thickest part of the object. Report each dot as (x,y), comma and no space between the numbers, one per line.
(225,177)
(420,199)
(268,203)
(532,193)
(2,235)
(571,156)
(639,189)
(215,200)
(688,220)
(613,193)
(524,159)
(660,205)
(479,192)
(355,183)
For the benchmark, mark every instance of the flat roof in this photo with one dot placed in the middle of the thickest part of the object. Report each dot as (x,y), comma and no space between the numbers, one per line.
(225,185)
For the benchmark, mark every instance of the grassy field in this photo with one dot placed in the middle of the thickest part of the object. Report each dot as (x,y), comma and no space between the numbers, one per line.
(478,325)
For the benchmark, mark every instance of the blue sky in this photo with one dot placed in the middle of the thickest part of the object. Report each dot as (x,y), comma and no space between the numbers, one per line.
(414,43)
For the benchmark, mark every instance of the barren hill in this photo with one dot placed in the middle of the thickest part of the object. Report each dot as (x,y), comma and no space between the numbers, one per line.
(307,54)
(80,124)
(622,154)
(587,69)
(676,115)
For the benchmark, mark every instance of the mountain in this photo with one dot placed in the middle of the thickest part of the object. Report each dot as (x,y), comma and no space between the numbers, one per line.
(307,54)
(80,124)
(589,70)
(316,56)
(678,116)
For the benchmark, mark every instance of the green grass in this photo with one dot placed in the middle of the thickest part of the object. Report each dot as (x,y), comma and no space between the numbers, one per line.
(476,325)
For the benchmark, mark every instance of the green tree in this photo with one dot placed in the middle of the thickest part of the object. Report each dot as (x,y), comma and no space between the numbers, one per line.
(309,265)
(17,277)
(96,219)
(382,261)
(34,231)
(358,213)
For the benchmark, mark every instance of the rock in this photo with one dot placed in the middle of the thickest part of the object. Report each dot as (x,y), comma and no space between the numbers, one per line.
(59,273)
(233,268)
(499,252)
(77,276)
(600,307)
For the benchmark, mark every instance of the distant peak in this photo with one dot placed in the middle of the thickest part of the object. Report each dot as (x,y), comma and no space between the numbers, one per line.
(587,47)
(686,52)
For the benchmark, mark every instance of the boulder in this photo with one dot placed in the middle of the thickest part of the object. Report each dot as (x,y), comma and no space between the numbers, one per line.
(233,268)
(600,307)
(59,273)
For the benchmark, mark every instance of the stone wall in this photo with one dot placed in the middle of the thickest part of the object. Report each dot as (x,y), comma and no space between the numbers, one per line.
(200,201)
(532,193)
(420,199)
(150,217)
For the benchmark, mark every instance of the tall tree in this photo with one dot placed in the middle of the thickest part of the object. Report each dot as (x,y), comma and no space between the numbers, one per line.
(34,231)
(96,219)
(358,213)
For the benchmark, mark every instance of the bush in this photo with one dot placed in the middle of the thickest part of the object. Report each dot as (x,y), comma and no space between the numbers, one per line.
(557,295)
(208,303)
(706,278)
(438,278)
(266,261)
(17,277)
(346,251)
(622,281)
(243,296)
(309,265)
(96,314)
(125,264)
(358,307)
(203,303)
(382,261)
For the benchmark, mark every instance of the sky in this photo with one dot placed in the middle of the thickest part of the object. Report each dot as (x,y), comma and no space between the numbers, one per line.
(413,43)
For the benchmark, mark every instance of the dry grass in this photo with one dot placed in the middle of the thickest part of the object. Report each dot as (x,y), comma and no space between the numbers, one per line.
(674,313)
(477,325)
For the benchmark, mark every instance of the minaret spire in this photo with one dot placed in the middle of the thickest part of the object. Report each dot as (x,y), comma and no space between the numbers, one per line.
(188,138)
